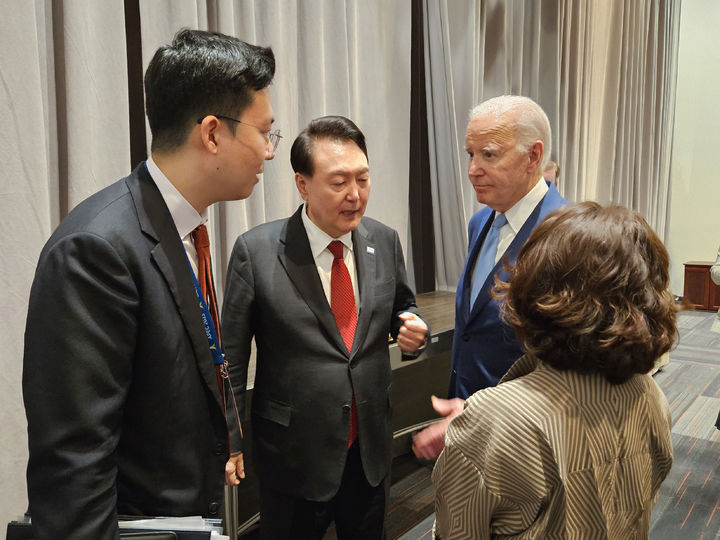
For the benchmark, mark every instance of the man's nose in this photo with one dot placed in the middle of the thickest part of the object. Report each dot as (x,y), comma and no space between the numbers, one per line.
(474,168)
(353,192)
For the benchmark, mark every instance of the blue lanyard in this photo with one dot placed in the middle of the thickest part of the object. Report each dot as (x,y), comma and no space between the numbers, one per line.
(213,342)
(210,331)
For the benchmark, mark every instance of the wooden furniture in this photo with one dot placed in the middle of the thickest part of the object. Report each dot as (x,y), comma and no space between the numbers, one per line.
(700,291)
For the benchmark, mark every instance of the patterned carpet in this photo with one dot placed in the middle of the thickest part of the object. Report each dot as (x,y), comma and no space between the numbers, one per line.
(689,504)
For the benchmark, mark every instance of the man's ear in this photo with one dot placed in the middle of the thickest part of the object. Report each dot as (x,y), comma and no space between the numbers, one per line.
(208,132)
(301,182)
(535,154)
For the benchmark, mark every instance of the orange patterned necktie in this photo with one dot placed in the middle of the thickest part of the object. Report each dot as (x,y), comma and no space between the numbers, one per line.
(342,303)
(204,277)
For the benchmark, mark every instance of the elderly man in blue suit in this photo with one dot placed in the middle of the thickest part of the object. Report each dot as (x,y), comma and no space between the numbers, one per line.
(508,144)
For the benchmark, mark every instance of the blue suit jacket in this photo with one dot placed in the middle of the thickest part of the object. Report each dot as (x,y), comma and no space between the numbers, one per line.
(484,347)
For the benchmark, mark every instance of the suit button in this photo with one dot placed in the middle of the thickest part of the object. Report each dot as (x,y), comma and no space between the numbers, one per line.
(465,337)
(213,508)
(219,449)
(346,408)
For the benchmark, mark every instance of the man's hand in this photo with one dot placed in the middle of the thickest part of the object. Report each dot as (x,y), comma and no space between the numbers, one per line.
(430,441)
(412,333)
(234,470)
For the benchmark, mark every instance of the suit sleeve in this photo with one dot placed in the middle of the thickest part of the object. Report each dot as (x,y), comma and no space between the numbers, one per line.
(238,332)
(79,351)
(404,296)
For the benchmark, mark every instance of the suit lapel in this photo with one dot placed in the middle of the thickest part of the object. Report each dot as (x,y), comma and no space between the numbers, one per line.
(296,257)
(365,264)
(169,255)
(467,309)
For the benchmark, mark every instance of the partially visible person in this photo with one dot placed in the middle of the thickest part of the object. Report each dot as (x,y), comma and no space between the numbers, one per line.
(320,292)
(575,440)
(508,142)
(551,172)
(123,400)
(715,276)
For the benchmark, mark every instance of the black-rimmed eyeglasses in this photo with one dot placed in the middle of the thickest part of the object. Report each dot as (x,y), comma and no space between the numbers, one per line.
(272,137)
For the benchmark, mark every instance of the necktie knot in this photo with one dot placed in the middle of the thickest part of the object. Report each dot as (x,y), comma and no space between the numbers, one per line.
(200,237)
(500,221)
(336,248)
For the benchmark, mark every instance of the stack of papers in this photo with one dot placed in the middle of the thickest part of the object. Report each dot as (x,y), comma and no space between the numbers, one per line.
(198,524)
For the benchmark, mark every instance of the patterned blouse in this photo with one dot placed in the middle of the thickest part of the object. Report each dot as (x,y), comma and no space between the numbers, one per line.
(554,455)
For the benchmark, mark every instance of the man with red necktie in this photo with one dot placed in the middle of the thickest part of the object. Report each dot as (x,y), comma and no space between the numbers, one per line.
(320,292)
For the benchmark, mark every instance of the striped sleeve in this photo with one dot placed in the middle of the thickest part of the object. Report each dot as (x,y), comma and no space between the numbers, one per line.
(463,505)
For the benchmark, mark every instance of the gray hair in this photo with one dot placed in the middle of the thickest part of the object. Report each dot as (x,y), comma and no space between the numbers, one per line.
(530,121)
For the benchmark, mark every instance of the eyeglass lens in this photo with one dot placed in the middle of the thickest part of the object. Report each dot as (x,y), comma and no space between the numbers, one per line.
(274,138)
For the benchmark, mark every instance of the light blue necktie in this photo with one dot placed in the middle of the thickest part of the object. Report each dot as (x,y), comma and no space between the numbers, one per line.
(486,258)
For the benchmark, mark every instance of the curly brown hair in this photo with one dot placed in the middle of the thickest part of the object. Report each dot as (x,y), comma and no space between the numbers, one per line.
(589,292)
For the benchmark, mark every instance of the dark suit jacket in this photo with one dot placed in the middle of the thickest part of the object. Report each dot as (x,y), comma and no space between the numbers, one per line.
(119,385)
(305,377)
(484,347)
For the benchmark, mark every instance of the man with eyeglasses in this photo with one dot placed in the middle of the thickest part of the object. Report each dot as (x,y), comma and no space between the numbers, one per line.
(320,292)
(123,379)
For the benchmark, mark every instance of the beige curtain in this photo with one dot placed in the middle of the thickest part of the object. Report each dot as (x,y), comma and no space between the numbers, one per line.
(63,106)
(621,89)
(605,74)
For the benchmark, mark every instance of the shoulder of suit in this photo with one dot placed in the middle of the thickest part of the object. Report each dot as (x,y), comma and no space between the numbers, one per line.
(266,231)
(483,213)
(100,201)
(553,197)
(375,225)
(375,231)
(108,213)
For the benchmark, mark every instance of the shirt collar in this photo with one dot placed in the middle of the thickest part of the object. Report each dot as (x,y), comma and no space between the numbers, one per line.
(185,217)
(521,210)
(319,239)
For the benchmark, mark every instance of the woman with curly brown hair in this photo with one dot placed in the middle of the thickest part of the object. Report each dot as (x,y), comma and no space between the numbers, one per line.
(575,440)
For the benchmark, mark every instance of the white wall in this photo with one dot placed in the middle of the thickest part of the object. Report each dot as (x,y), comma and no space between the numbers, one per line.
(694,224)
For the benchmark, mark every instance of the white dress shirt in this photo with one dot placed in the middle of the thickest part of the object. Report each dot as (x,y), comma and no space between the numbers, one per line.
(319,241)
(185,217)
(517,216)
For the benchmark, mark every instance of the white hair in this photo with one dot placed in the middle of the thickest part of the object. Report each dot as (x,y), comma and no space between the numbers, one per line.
(530,121)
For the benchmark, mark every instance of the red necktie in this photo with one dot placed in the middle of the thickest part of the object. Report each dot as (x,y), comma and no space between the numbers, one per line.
(342,303)
(202,246)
